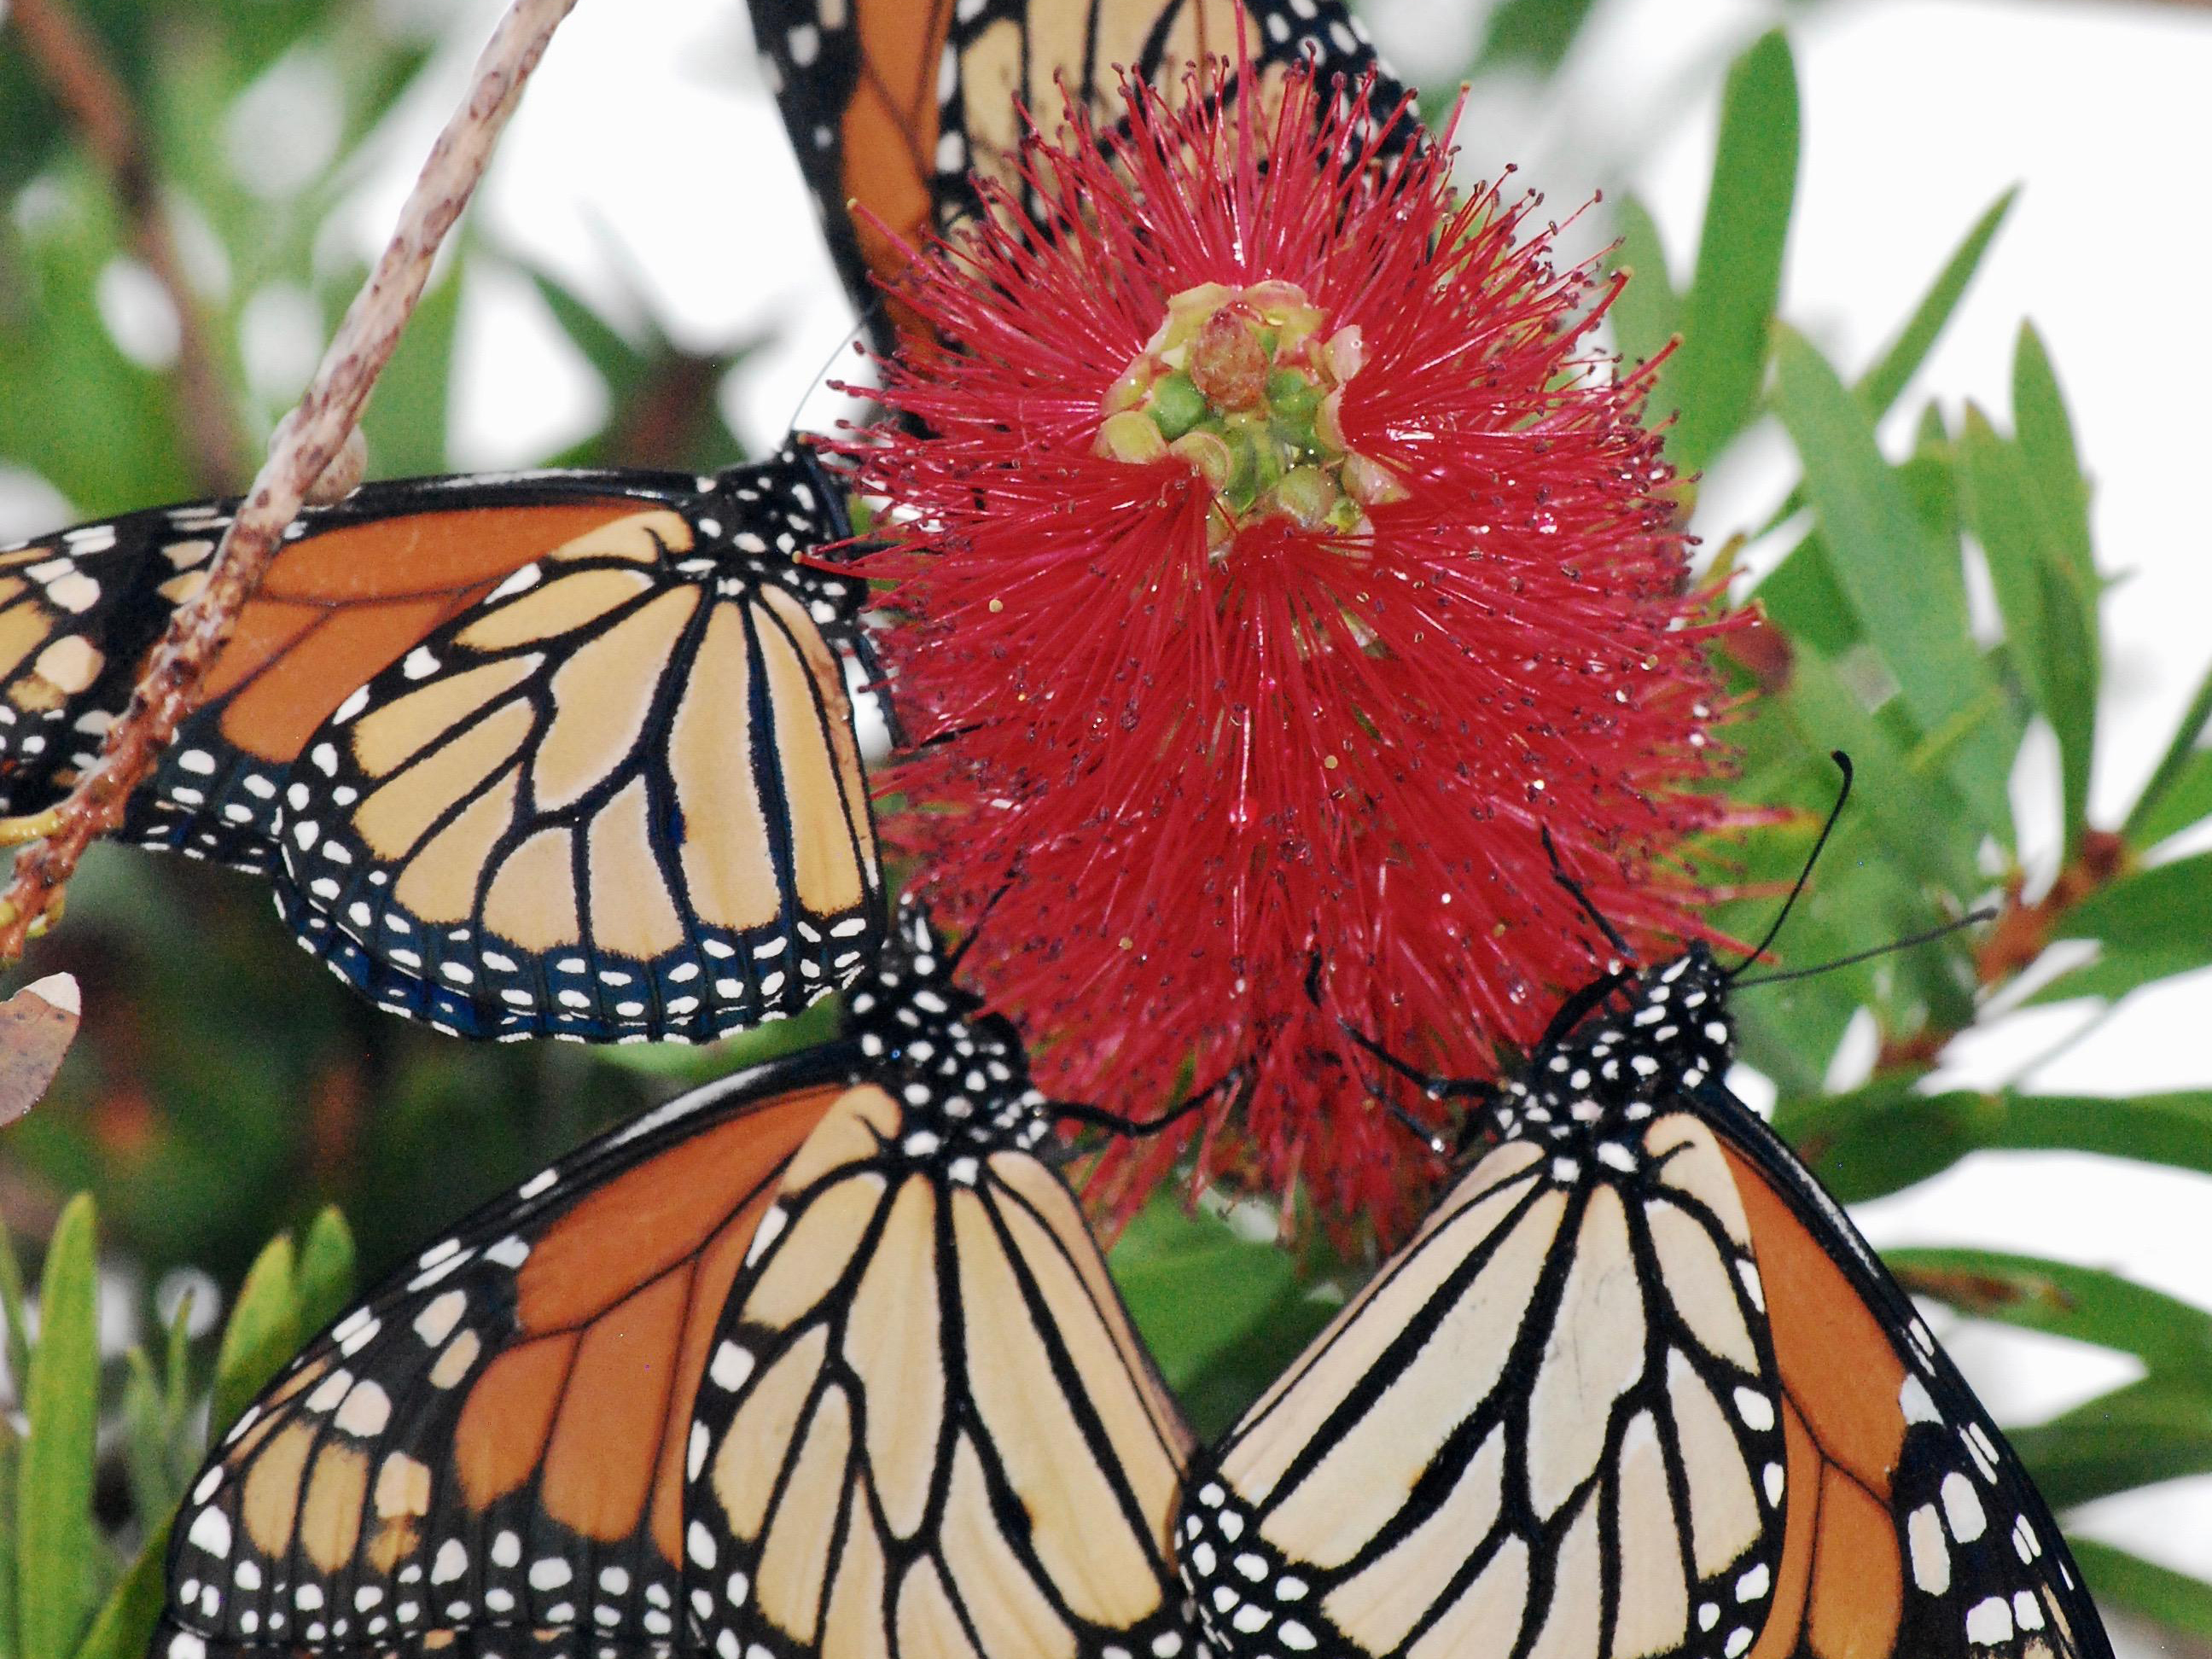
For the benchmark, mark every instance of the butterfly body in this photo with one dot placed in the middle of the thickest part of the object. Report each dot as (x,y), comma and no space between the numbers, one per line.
(1636,1387)
(768,1368)
(558,753)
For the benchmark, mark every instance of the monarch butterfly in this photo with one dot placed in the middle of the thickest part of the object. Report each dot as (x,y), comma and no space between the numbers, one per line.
(892,103)
(820,1358)
(1636,1387)
(558,753)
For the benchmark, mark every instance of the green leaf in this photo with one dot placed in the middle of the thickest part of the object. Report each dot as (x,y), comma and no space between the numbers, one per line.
(2050,613)
(1714,380)
(2165,905)
(11,1462)
(2159,1594)
(1904,586)
(2149,1432)
(2117,972)
(1646,311)
(2170,802)
(1535,32)
(2061,1299)
(126,1625)
(1194,1285)
(2054,464)
(56,1544)
(262,1333)
(406,421)
(326,1270)
(11,1300)
(1876,1140)
(1879,388)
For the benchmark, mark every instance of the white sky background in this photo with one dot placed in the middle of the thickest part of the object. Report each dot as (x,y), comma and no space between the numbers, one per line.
(647,166)
(1917,114)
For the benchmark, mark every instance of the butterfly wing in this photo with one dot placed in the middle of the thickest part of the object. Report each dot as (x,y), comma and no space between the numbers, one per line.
(1912,1527)
(723,864)
(1636,1388)
(891,103)
(1544,1427)
(495,1438)
(619,797)
(927,1426)
(356,585)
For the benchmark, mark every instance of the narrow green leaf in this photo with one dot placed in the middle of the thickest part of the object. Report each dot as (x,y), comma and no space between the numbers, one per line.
(1535,32)
(406,421)
(1879,388)
(1804,600)
(2166,905)
(1714,380)
(1647,311)
(326,1271)
(1904,585)
(125,1623)
(2061,1299)
(1862,1149)
(2117,1578)
(2185,802)
(2054,464)
(263,1332)
(57,1545)
(2049,616)
(2117,973)
(11,1469)
(2150,1430)
(1916,820)
(11,1300)
(2152,818)
(619,363)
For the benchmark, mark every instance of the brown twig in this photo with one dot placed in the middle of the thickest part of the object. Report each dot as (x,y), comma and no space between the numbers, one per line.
(310,438)
(68,55)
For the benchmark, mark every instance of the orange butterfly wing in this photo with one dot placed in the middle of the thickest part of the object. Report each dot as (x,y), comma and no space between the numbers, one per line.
(500,1433)
(891,103)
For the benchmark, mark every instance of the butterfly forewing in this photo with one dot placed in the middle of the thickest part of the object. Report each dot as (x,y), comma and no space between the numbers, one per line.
(821,1360)
(564,752)
(926,1425)
(495,1438)
(892,103)
(1636,1387)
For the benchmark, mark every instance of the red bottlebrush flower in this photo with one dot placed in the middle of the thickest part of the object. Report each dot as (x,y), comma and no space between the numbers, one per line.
(1275,562)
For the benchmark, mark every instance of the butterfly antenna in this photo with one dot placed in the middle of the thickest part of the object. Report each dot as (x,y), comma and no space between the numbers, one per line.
(815,383)
(1969,919)
(975,929)
(1581,898)
(1843,764)
(1114,1124)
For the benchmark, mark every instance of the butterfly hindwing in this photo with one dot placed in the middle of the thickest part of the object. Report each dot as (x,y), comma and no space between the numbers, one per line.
(496,1434)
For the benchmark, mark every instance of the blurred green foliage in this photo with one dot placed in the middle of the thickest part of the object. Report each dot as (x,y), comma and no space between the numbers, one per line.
(223,1091)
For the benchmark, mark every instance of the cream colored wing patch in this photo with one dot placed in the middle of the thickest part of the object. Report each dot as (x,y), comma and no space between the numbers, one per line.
(1550,1427)
(621,798)
(926,1425)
